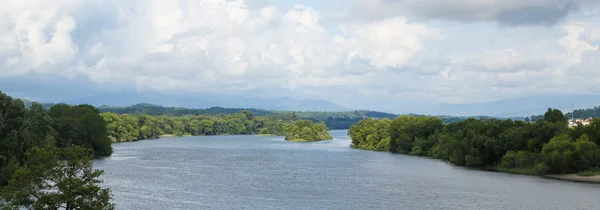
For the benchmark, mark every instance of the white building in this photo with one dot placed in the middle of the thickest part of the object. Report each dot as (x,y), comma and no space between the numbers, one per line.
(578,121)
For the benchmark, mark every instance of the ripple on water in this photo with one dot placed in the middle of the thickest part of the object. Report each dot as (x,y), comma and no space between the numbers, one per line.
(255,172)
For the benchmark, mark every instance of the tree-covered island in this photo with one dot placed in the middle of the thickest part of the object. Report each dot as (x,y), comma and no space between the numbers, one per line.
(306,131)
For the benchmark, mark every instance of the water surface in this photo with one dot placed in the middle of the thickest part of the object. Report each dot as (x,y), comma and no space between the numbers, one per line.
(257,172)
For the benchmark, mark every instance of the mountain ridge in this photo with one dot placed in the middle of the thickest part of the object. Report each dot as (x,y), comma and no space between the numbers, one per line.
(207,101)
(517,107)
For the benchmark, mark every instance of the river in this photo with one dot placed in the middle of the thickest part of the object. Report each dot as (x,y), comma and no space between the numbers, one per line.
(262,172)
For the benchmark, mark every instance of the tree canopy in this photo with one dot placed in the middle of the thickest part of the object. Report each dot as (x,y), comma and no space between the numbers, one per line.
(57,178)
(46,156)
(306,130)
(545,146)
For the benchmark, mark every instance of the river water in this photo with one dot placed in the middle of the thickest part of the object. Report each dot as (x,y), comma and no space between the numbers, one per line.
(258,172)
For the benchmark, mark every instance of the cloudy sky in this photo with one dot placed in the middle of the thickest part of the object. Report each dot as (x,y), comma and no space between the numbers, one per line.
(357,53)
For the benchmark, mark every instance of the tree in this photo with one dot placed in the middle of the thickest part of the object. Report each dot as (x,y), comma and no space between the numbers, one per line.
(306,130)
(558,155)
(81,125)
(554,116)
(55,178)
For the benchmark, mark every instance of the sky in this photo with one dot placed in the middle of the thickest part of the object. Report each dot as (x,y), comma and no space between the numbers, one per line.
(375,54)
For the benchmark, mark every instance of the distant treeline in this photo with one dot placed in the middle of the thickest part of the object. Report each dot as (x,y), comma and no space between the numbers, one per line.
(333,120)
(129,127)
(585,113)
(155,110)
(577,113)
(546,146)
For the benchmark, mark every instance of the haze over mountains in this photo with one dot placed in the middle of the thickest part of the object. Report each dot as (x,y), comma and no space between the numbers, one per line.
(516,107)
(206,101)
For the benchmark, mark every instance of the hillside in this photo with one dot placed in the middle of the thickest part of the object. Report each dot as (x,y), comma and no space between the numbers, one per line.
(333,119)
(514,107)
(28,103)
(152,109)
(207,100)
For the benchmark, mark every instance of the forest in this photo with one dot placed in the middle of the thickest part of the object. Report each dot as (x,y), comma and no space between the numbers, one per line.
(306,130)
(127,127)
(156,110)
(46,156)
(46,152)
(585,113)
(546,146)
(333,120)
(577,113)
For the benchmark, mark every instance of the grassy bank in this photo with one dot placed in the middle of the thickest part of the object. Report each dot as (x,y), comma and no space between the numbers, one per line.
(304,140)
(585,177)
(172,135)
(523,171)
(267,135)
(575,177)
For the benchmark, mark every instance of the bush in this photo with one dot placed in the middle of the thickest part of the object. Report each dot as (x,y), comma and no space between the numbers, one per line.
(541,169)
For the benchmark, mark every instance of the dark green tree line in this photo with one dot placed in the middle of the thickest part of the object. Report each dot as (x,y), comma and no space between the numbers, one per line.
(46,156)
(545,146)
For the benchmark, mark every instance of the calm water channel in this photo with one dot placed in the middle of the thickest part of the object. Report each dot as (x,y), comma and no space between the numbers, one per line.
(257,172)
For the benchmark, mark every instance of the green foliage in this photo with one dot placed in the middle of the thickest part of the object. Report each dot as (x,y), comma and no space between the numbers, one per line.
(55,178)
(546,146)
(81,125)
(39,166)
(590,172)
(20,130)
(370,133)
(157,110)
(406,130)
(585,113)
(306,130)
(521,159)
(126,127)
(554,116)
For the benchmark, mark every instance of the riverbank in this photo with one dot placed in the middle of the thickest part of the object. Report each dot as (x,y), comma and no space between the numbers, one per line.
(172,135)
(268,135)
(337,167)
(575,177)
(520,171)
(303,140)
(531,172)
(187,135)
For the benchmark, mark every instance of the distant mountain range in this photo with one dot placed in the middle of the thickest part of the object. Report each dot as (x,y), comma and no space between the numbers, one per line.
(206,101)
(515,107)
(508,108)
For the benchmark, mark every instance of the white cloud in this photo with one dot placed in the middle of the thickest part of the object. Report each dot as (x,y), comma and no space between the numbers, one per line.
(36,34)
(388,42)
(203,44)
(228,46)
(501,61)
(523,12)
